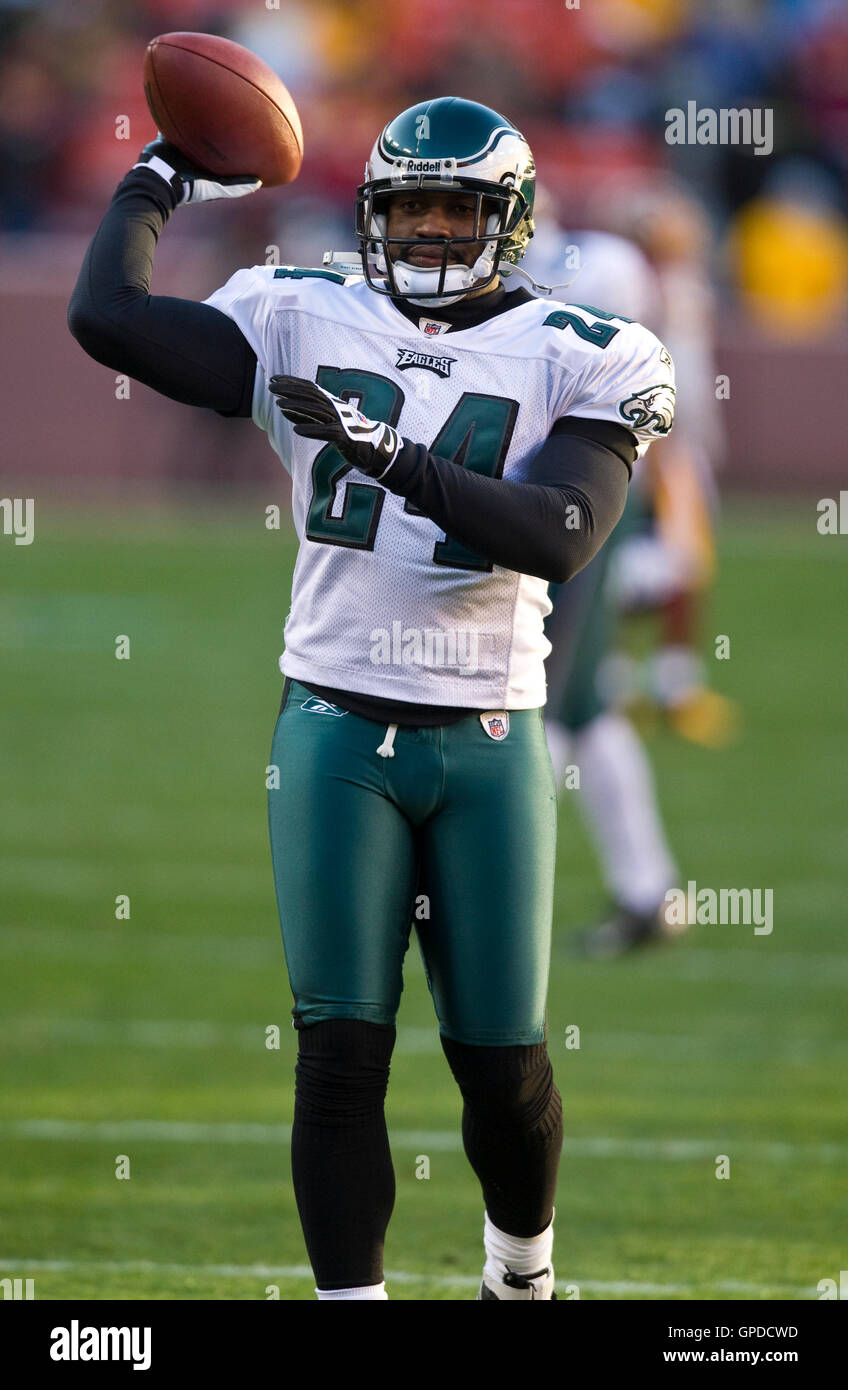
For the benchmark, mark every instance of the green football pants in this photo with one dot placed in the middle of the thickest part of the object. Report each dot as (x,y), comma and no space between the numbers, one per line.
(455,834)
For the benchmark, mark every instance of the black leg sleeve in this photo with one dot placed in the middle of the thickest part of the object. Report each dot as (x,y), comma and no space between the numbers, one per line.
(186,350)
(344,1181)
(511,1129)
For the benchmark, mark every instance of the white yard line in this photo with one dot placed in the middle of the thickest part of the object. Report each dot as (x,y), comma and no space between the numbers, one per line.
(16,1267)
(202,1033)
(762,960)
(423,1141)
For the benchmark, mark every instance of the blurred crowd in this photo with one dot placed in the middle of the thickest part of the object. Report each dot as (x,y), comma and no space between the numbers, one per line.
(588,81)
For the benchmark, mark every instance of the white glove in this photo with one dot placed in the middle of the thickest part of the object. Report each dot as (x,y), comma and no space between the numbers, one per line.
(192,185)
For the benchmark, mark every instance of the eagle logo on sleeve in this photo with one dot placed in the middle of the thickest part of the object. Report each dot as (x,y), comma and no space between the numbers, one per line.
(651,410)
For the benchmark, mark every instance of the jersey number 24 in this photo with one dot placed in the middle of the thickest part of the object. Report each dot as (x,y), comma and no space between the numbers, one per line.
(476,434)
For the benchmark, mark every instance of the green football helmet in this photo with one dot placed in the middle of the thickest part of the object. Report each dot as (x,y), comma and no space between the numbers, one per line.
(456,146)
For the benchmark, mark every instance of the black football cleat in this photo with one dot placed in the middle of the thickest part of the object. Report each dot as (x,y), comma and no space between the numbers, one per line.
(518,1286)
(624,931)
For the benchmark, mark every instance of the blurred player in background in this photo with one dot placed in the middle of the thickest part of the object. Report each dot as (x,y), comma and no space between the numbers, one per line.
(667,565)
(617,793)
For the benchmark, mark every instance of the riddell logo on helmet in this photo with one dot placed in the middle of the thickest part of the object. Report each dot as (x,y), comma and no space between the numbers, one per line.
(426,166)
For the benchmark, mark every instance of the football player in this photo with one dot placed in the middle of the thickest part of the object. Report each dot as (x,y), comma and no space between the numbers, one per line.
(454,446)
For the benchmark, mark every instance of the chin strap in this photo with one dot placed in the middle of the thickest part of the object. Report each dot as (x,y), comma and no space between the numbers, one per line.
(343,262)
(542,291)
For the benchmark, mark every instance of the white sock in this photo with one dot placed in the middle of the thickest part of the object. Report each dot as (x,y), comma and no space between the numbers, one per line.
(370,1291)
(519,1254)
(617,796)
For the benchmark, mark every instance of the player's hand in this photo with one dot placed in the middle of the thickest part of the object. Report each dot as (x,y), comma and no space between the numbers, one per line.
(369,445)
(190,183)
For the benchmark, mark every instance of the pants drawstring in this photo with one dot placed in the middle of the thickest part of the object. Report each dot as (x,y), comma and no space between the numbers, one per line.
(386,750)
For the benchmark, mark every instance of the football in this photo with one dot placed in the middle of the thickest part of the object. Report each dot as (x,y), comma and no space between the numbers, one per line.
(223,107)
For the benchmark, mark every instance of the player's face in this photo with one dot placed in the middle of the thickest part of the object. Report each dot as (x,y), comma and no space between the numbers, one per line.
(434,214)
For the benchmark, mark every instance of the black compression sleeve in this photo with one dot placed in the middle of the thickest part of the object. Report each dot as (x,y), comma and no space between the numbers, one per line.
(550,525)
(186,350)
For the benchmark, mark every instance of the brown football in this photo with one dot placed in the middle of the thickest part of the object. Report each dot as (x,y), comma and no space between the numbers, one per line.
(223,107)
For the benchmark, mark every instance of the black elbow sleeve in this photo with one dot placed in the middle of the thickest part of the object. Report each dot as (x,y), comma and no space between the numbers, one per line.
(87,322)
(565,564)
(89,330)
(76,320)
(561,573)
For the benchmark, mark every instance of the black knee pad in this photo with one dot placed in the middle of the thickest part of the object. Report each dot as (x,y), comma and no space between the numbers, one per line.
(342,1070)
(504,1085)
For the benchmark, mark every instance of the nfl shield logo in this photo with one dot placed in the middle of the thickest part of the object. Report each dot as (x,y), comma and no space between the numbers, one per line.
(496,724)
(432,327)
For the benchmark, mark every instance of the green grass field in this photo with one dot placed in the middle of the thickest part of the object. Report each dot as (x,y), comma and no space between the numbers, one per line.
(147,1037)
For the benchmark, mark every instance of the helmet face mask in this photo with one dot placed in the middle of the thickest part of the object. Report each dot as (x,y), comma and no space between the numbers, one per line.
(497,211)
(449,146)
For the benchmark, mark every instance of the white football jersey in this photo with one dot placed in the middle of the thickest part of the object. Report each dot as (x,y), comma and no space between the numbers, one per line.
(383,603)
